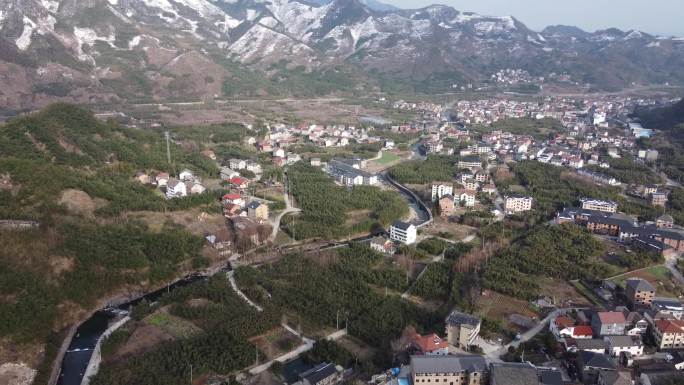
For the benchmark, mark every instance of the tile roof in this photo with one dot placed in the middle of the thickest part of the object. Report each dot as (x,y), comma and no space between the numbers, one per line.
(590,344)
(670,326)
(639,284)
(564,321)
(582,330)
(458,318)
(448,364)
(513,374)
(611,317)
(430,342)
(622,341)
(596,360)
(319,373)
(401,225)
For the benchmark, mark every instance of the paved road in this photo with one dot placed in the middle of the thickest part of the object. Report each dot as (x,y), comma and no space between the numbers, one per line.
(670,263)
(288,210)
(306,346)
(231,278)
(494,356)
(434,259)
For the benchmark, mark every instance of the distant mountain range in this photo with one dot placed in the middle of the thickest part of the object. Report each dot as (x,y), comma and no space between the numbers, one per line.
(102,51)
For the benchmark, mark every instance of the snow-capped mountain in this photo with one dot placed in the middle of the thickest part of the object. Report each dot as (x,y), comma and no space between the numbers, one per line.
(113,50)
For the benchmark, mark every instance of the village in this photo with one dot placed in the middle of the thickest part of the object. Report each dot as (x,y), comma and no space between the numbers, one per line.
(628,329)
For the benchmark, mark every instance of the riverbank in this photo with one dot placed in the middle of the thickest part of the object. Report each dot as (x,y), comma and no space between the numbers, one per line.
(76,351)
(96,358)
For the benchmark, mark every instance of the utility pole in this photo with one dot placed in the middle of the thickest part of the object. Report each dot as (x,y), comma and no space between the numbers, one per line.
(168,148)
(191,374)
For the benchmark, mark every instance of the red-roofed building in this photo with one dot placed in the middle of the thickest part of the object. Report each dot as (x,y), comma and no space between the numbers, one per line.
(430,344)
(669,334)
(609,323)
(233,198)
(561,325)
(582,332)
(239,182)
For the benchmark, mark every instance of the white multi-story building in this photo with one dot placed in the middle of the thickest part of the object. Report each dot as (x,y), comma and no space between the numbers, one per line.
(186,175)
(237,164)
(617,344)
(175,189)
(466,197)
(517,204)
(440,190)
(599,205)
(403,232)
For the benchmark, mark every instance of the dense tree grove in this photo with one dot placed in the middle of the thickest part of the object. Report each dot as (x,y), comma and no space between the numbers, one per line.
(65,147)
(434,246)
(222,347)
(326,206)
(105,257)
(554,188)
(340,289)
(434,168)
(343,289)
(328,351)
(434,283)
(664,118)
(565,251)
(627,170)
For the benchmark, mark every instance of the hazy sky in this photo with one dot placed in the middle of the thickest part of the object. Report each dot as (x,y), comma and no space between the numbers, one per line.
(664,17)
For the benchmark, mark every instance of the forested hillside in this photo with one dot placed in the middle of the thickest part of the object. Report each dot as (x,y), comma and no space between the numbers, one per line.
(664,118)
(327,209)
(73,175)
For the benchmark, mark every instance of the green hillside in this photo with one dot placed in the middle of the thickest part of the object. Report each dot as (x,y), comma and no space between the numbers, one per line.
(54,274)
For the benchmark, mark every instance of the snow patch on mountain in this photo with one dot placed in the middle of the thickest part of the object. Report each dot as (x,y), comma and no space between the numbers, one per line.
(88,36)
(365,29)
(421,28)
(268,22)
(44,25)
(634,35)
(261,43)
(298,18)
(164,5)
(24,41)
(203,7)
(165,16)
(466,17)
(135,41)
(51,5)
(500,24)
(227,23)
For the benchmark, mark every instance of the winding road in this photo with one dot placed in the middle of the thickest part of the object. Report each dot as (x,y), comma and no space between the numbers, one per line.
(288,210)
(495,355)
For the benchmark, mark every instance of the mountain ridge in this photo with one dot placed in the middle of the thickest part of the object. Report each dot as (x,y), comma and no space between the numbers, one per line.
(116,51)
